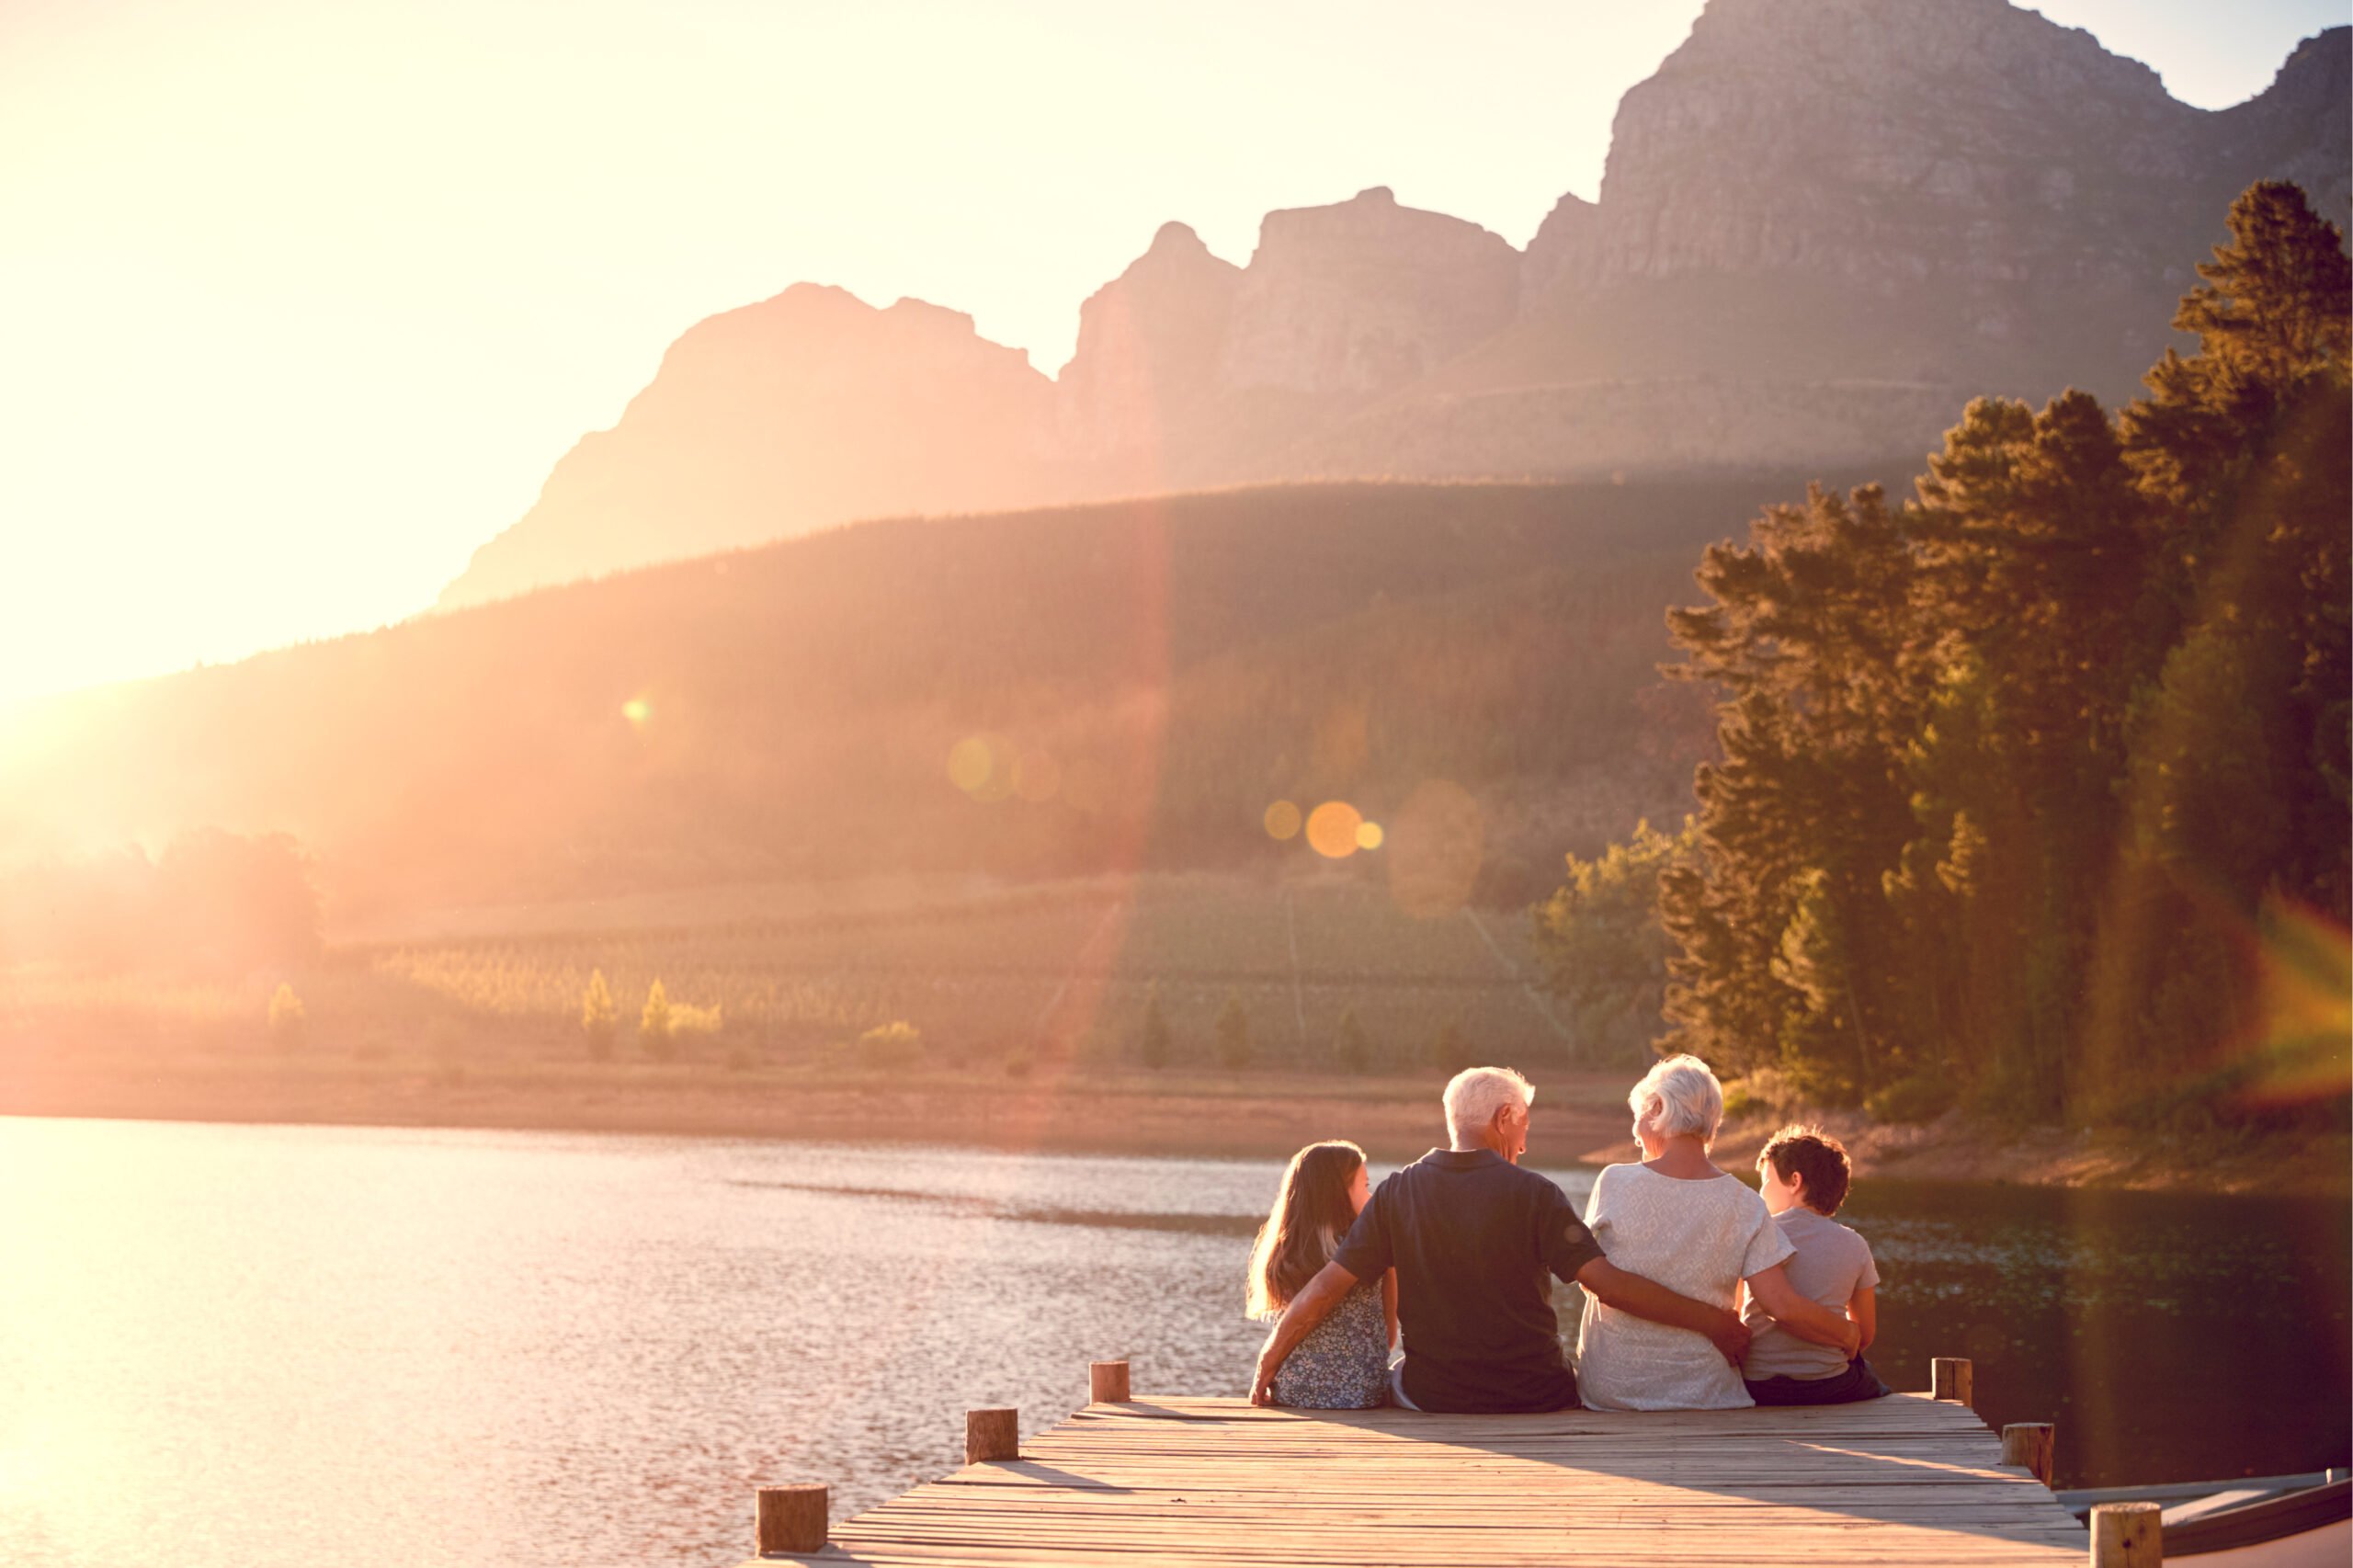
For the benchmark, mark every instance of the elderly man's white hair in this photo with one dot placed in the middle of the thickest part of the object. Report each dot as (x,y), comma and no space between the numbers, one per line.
(1676,1098)
(1475,1094)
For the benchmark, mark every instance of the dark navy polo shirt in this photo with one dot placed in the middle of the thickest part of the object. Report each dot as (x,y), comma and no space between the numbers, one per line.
(1472,1237)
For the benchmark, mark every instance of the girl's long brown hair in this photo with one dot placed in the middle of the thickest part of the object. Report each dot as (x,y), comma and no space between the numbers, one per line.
(1311,1215)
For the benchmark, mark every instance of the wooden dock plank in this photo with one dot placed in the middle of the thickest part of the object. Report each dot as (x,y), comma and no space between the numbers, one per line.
(1192,1483)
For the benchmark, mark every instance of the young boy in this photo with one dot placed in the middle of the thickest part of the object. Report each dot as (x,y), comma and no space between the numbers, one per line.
(1804,1172)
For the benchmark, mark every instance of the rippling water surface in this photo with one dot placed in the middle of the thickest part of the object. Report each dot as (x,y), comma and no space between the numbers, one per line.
(232,1347)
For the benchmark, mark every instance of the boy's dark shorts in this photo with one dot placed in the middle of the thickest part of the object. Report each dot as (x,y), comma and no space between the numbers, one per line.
(1857,1382)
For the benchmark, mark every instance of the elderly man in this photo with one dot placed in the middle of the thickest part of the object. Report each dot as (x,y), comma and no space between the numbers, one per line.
(1472,1237)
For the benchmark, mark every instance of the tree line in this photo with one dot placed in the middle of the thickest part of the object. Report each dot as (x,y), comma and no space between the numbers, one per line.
(213,903)
(2032,790)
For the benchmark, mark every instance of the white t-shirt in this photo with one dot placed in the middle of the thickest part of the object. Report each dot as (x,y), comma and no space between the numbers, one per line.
(1698,1239)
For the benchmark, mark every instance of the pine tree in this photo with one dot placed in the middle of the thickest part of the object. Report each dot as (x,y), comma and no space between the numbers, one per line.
(286,1018)
(1350,1050)
(1234,1050)
(2274,303)
(1600,942)
(598,1019)
(2007,775)
(654,1024)
(1155,1045)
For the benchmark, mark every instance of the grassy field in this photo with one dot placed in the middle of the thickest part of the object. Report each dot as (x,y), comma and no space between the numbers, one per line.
(989,975)
(1029,1000)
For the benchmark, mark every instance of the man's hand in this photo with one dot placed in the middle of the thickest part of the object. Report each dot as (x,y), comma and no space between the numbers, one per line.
(1730,1337)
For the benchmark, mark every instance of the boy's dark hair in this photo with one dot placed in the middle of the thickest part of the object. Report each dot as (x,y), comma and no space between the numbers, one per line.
(1819,1158)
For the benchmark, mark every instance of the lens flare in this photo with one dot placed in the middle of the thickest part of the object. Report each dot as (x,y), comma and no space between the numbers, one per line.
(637,710)
(1332,829)
(967,764)
(1282,821)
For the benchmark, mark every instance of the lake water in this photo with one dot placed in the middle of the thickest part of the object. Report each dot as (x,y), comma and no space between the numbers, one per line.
(230,1346)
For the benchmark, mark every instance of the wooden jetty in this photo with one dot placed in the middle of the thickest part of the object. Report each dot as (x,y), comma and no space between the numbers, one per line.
(1912,1479)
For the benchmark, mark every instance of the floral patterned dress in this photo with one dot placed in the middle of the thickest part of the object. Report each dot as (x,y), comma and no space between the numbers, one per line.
(1343,1364)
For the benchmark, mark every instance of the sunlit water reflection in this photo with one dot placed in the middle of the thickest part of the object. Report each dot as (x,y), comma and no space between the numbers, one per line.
(244,1346)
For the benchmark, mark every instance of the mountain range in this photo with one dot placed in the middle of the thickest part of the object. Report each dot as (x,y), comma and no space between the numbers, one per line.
(1824,224)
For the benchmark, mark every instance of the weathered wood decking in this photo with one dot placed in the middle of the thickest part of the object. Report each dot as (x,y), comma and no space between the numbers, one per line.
(1905,1480)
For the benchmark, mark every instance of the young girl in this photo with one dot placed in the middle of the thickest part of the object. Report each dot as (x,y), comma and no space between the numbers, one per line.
(1343,1365)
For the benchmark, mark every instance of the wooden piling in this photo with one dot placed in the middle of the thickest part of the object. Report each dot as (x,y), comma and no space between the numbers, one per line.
(2031,1444)
(791,1521)
(992,1435)
(2127,1535)
(1951,1377)
(1107,1382)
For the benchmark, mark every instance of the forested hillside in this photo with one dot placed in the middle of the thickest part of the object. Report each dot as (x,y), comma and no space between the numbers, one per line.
(1124,685)
(2033,790)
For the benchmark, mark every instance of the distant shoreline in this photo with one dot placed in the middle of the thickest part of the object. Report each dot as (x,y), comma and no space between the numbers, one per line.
(1579,1115)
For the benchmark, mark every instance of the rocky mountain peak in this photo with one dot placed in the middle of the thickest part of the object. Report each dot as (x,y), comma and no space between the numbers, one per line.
(1567,245)
(2298,128)
(804,409)
(1174,238)
(1826,224)
(1894,45)
(1353,299)
(1147,354)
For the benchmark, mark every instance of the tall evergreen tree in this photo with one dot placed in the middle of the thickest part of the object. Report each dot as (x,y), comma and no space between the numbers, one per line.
(599,1018)
(1232,1031)
(2013,776)
(1350,1050)
(653,1023)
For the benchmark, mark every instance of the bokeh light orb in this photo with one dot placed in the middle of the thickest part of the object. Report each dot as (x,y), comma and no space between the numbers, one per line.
(1332,829)
(968,765)
(637,710)
(1369,836)
(1282,821)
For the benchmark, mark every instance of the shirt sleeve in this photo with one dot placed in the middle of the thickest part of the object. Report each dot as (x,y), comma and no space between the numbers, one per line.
(1562,1239)
(1597,1219)
(1366,1251)
(1867,1277)
(1766,1245)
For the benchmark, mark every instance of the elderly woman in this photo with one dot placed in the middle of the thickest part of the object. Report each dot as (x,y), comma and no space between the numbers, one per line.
(1698,1230)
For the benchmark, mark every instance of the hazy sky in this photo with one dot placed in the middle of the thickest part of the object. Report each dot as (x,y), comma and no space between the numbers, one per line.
(300,302)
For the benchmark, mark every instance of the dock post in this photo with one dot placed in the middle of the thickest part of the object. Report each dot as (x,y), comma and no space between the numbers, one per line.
(992,1435)
(2031,1443)
(1107,1382)
(2127,1535)
(791,1521)
(1949,1378)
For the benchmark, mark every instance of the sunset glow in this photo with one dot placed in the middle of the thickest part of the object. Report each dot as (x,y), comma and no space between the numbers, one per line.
(1243,749)
(301,303)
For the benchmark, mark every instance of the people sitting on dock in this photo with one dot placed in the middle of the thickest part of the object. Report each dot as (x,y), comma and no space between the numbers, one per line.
(1805,1176)
(1343,1364)
(1470,1236)
(1677,1220)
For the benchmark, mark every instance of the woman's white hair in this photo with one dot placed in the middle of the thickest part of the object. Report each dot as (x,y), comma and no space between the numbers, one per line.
(1676,1098)
(1475,1094)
